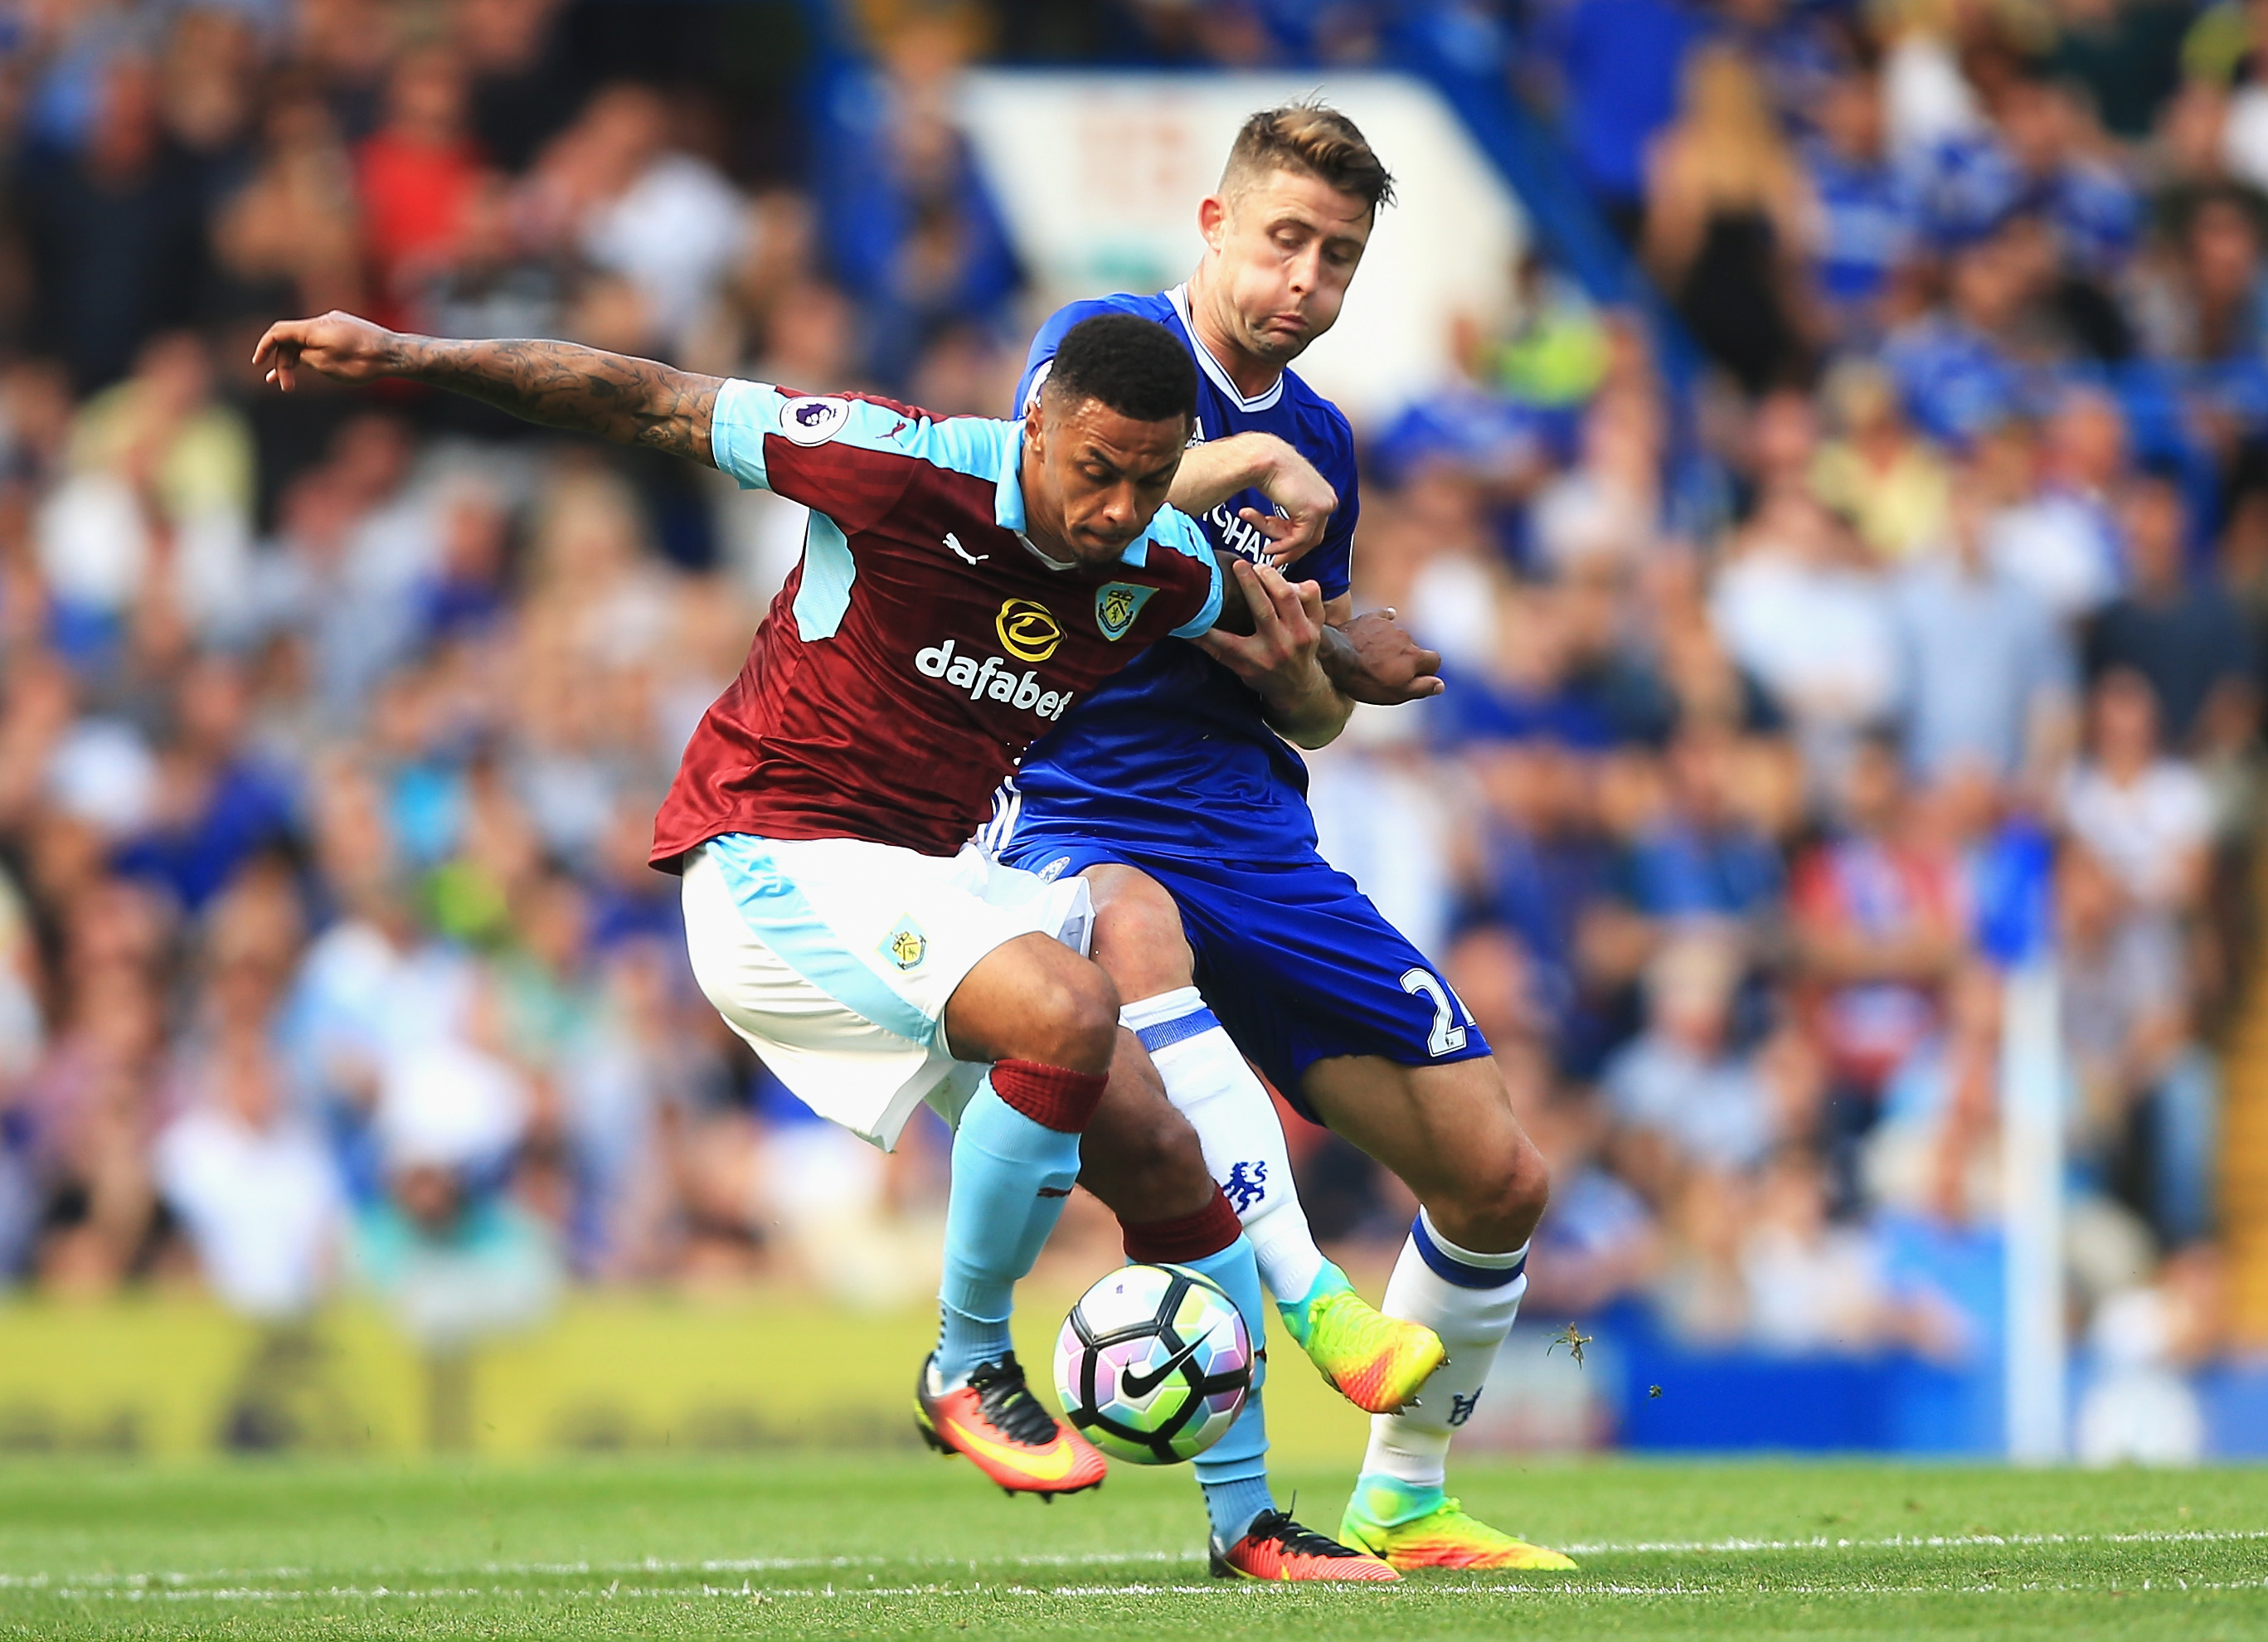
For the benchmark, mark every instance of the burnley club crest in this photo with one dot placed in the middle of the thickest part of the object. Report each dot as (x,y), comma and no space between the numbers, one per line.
(1116,604)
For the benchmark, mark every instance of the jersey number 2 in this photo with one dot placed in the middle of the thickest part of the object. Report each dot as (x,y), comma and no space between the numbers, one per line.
(1447,1035)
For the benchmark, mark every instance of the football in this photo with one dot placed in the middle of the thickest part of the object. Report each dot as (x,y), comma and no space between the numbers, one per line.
(1153,1364)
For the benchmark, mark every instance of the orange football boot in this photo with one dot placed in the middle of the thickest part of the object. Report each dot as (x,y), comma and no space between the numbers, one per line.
(1000,1427)
(1277,1548)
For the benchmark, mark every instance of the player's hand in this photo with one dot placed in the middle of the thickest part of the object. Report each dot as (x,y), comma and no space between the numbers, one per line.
(1305,502)
(1278,656)
(337,345)
(1383,664)
(1285,539)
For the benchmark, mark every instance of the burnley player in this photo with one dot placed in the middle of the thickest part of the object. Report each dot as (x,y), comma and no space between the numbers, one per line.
(1226,931)
(964,584)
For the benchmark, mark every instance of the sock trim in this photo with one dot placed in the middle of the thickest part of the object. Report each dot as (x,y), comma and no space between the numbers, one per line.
(1166,1033)
(1054,1097)
(1447,1267)
(1191,1237)
(1160,1007)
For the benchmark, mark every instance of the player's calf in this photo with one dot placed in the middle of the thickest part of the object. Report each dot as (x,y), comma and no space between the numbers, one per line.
(1142,1160)
(1015,1158)
(1494,1200)
(1448,1132)
(1139,1155)
(1377,1362)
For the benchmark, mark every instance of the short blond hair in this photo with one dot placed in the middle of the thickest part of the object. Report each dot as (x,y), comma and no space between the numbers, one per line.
(1309,137)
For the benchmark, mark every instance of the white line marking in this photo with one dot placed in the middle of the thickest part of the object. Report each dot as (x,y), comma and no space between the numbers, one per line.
(1245,1590)
(199,1584)
(1917,1542)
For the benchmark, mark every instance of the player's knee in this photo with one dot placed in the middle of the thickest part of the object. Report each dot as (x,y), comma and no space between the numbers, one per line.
(1138,933)
(1494,1205)
(1081,1009)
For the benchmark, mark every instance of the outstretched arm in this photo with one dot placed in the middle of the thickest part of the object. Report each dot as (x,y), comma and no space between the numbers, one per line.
(560,385)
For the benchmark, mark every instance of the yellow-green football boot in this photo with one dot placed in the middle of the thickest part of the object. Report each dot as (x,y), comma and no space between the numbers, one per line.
(1410,1528)
(1378,1363)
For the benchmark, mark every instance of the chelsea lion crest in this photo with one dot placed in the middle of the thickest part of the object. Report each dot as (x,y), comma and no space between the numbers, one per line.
(1116,604)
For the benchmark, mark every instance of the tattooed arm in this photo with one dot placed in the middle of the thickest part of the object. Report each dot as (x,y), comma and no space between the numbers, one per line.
(560,385)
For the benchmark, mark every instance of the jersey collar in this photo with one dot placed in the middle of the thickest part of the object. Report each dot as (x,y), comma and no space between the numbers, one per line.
(1179,296)
(1008,505)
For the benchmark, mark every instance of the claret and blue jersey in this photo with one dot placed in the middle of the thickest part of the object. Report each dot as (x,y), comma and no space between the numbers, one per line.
(923,643)
(1170,768)
(1173,754)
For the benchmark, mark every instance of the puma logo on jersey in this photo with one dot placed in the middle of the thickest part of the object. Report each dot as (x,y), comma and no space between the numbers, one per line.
(953,541)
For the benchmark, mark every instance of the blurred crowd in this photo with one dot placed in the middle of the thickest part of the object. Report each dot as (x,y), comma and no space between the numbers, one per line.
(1912,569)
(1911,574)
(334,727)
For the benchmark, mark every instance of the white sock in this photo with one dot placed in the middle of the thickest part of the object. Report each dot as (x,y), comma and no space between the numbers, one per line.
(1209,1082)
(1469,1300)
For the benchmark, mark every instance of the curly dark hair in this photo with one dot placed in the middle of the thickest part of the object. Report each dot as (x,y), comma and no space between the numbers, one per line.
(1130,363)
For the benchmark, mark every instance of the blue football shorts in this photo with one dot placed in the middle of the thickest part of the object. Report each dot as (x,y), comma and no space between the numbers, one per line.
(1291,956)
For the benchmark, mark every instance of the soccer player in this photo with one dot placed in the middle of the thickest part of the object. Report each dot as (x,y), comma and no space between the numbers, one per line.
(964,584)
(1229,935)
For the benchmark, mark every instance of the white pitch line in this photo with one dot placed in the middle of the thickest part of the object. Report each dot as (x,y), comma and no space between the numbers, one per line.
(1245,1590)
(1097,1559)
(1917,1542)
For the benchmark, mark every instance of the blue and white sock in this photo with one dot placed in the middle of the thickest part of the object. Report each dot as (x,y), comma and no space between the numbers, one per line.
(1469,1298)
(1011,1175)
(1210,1083)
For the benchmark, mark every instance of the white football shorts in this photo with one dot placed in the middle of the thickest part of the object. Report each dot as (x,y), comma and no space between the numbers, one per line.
(835,958)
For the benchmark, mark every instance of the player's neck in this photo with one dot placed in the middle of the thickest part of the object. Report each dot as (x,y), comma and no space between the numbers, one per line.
(1039,534)
(1253,375)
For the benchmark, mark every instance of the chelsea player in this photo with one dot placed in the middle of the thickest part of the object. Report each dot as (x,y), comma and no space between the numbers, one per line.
(1173,791)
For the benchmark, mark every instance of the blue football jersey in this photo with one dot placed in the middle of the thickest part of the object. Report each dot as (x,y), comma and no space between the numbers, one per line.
(1172,755)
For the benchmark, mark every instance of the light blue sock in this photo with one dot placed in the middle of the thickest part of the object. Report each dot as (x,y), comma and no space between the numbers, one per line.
(1233,1505)
(1010,1178)
(1234,1472)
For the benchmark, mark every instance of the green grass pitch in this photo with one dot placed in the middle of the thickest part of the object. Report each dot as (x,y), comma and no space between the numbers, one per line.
(884,1545)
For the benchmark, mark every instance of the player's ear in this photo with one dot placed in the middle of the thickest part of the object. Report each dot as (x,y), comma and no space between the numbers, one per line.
(1212,219)
(1035,424)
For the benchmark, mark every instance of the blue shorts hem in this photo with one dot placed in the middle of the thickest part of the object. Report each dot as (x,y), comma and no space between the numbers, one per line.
(1298,963)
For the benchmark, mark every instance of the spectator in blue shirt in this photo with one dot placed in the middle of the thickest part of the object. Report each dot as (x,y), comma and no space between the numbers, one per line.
(1622,62)
(1699,861)
(1871,222)
(1987,676)
(2040,168)
(2042,154)
(2205,312)
(219,805)
(1952,366)
(910,227)
(2187,637)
